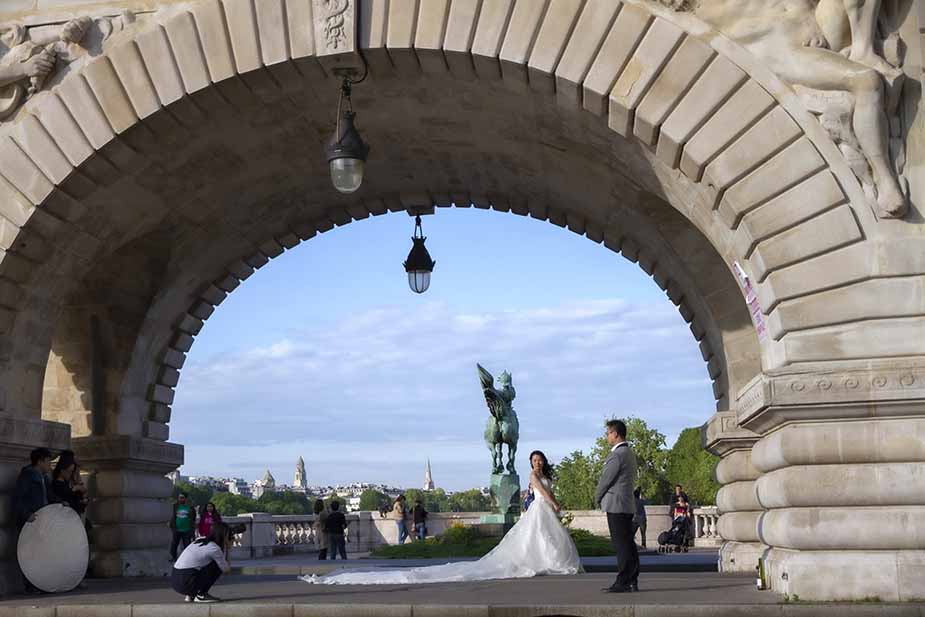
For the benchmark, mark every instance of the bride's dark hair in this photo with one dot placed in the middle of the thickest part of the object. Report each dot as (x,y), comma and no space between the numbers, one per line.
(547,468)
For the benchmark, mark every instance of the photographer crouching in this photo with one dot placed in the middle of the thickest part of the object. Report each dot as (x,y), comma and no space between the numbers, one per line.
(203,562)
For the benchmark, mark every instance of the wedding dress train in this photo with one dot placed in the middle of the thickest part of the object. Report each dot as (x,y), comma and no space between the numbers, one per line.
(537,545)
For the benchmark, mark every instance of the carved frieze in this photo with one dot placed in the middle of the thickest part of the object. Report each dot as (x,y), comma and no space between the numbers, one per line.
(844,60)
(882,391)
(31,57)
(334,26)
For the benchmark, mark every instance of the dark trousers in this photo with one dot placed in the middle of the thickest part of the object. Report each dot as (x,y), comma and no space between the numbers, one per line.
(180,536)
(193,582)
(337,544)
(624,543)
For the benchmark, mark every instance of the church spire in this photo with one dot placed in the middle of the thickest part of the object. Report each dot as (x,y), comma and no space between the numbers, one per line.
(301,479)
(428,479)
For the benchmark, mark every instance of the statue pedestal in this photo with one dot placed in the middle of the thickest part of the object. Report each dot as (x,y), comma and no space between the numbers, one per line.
(505,500)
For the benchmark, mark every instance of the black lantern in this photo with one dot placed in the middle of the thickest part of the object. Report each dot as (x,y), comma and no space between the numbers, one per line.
(345,150)
(419,265)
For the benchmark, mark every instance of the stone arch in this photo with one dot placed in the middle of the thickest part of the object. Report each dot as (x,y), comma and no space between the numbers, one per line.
(703,106)
(713,328)
(704,127)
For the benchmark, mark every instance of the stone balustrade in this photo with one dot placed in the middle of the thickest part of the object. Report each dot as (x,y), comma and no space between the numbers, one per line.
(267,535)
(706,533)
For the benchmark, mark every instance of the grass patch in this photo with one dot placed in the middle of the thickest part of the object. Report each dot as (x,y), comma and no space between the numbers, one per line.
(469,544)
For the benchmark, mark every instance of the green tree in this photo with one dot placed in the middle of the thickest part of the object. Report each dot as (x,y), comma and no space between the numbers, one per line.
(471,500)
(372,500)
(693,467)
(577,473)
(284,502)
(651,459)
(576,479)
(197,495)
(434,501)
(233,505)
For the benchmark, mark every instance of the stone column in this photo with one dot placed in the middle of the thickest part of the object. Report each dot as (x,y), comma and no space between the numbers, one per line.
(843,483)
(18,436)
(737,500)
(130,507)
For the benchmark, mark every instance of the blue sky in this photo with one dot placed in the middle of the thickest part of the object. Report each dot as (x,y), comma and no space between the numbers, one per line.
(325,353)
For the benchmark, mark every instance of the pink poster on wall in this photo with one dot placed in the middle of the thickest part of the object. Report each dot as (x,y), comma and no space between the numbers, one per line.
(751,299)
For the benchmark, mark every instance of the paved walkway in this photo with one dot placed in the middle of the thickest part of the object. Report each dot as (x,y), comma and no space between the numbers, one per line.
(695,561)
(673,594)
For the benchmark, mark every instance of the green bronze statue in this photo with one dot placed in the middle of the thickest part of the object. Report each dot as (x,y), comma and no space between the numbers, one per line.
(502,427)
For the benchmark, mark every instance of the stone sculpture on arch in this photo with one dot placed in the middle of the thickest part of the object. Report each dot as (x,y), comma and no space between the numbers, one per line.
(828,50)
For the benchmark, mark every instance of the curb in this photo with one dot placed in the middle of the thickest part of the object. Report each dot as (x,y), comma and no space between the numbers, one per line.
(234,609)
(320,570)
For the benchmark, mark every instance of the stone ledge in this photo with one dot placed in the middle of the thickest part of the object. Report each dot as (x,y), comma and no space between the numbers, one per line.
(19,435)
(836,391)
(721,434)
(234,609)
(128,452)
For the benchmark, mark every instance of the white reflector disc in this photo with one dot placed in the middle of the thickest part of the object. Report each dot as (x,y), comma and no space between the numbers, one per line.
(53,549)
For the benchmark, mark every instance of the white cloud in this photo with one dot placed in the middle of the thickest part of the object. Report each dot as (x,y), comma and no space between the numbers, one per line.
(374,394)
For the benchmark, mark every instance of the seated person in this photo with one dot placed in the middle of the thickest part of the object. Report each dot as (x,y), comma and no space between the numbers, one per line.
(200,565)
(682,508)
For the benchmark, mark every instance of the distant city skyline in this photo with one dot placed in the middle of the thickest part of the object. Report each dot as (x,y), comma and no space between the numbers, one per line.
(325,353)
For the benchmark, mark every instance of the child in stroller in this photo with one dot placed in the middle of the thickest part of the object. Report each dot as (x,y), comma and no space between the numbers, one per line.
(678,536)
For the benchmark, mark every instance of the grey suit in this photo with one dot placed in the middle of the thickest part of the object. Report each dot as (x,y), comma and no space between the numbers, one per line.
(615,494)
(618,478)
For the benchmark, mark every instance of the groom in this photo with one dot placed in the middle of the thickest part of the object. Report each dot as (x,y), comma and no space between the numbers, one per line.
(615,495)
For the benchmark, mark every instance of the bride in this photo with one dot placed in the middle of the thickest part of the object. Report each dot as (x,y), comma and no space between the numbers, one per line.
(538,544)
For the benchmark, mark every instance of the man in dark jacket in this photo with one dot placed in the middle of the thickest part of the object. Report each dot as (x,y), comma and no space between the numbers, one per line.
(31,494)
(334,527)
(420,520)
(32,487)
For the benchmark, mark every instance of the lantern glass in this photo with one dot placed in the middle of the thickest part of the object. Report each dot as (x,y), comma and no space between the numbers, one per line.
(419,280)
(347,174)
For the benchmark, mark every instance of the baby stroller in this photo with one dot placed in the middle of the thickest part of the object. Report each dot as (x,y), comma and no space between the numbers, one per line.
(675,538)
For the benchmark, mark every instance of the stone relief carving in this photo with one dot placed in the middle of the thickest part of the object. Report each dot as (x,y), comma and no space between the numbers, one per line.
(334,22)
(844,59)
(29,57)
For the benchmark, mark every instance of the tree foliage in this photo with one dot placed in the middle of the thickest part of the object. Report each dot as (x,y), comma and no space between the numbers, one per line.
(198,496)
(577,473)
(284,502)
(471,500)
(651,459)
(229,504)
(693,467)
(373,500)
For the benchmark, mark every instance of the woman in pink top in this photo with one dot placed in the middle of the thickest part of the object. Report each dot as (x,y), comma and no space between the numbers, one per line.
(208,517)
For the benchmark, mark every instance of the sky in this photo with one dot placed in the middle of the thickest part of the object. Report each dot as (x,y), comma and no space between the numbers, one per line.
(327,354)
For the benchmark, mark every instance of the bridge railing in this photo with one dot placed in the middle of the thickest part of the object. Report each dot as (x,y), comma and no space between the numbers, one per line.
(267,535)
(705,532)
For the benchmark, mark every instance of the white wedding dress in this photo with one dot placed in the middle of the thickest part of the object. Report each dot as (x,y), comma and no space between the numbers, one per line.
(538,544)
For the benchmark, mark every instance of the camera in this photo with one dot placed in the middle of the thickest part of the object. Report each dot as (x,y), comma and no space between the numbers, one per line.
(236,530)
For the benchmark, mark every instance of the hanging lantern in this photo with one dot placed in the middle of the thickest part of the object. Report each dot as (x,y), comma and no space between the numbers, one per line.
(345,150)
(419,265)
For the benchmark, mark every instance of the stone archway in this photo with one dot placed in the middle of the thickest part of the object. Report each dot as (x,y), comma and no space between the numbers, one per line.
(164,169)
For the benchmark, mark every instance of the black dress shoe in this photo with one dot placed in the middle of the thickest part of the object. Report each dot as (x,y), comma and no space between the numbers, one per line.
(617,589)
(634,587)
